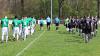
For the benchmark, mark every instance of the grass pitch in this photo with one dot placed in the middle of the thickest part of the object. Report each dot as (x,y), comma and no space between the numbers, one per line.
(51,43)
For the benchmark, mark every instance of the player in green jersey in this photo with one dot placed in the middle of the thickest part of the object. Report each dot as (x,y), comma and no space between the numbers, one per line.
(29,19)
(33,25)
(24,28)
(4,25)
(15,26)
(20,27)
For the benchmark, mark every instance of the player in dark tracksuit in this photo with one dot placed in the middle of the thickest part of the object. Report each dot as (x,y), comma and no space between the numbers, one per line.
(86,29)
(94,27)
(71,25)
(80,26)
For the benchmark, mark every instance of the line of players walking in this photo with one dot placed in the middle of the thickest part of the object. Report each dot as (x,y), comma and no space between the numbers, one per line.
(21,27)
(85,26)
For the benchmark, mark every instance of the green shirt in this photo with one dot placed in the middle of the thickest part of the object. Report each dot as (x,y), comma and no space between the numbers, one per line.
(28,20)
(20,21)
(33,22)
(24,23)
(16,23)
(4,22)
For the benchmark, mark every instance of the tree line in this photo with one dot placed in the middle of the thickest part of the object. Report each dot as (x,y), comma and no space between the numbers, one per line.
(61,8)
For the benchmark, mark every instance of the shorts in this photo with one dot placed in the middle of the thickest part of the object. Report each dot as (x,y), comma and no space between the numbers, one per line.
(5,31)
(57,24)
(41,25)
(25,31)
(48,23)
(16,30)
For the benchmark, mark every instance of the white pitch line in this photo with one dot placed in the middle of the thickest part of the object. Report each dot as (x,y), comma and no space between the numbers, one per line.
(18,54)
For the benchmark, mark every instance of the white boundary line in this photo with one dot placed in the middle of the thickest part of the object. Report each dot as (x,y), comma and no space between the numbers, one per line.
(18,54)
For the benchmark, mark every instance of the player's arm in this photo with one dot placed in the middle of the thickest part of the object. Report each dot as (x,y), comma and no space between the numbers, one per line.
(1,23)
(12,24)
(35,24)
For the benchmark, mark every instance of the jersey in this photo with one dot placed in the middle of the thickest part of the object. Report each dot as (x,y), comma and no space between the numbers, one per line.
(16,23)
(48,19)
(24,23)
(33,22)
(4,22)
(57,20)
(29,20)
(41,21)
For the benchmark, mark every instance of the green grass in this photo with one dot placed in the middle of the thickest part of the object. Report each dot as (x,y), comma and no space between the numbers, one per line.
(52,43)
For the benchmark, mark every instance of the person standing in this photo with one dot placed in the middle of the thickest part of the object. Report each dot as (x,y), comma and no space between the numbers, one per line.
(57,22)
(24,28)
(41,23)
(66,23)
(33,25)
(15,26)
(48,20)
(5,26)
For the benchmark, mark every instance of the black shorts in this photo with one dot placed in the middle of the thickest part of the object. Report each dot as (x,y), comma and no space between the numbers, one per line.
(41,25)
(48,23)
(57,24)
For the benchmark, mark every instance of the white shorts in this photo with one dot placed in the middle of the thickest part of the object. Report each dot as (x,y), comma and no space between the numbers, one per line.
(16,30)
(20,31)
(25,30)
(5,31)
(29,27)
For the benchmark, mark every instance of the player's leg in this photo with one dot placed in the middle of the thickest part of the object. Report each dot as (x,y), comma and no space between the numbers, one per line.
(17,32)
(56,26)
(3,33)
(6,34)
(25,33)
(49,25)
(41,26)
(14,30)
(31,30)
(22,32)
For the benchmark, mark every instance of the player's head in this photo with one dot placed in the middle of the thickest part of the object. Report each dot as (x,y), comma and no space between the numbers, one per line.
(5,17)
(33,17)
(48,16)
(16,17)
(25,17)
